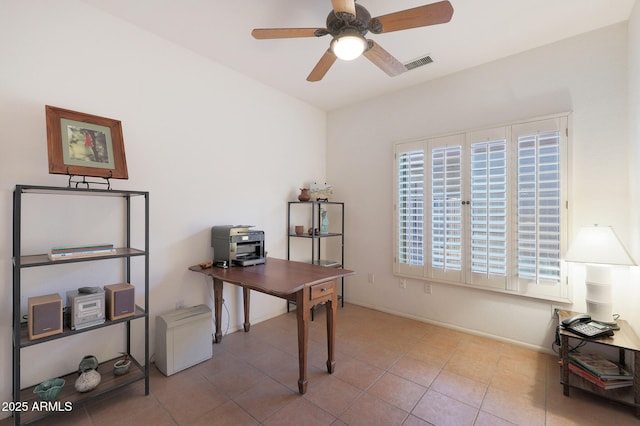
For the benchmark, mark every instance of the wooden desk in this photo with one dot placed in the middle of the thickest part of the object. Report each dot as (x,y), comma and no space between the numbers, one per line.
(305,284)
(624,340)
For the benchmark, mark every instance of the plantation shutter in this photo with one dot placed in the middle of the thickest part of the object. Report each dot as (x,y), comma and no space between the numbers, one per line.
(446,207)
(540,212)
(410,208)
(488,209)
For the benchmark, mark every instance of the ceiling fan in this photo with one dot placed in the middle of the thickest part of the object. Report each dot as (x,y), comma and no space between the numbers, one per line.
(348,23)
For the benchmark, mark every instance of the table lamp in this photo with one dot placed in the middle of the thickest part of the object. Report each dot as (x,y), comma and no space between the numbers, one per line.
(599,248)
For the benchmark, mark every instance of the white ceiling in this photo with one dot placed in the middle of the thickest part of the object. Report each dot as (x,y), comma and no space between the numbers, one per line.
(480,31)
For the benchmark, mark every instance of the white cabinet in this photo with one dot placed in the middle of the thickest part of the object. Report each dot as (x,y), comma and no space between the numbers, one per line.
(184,338)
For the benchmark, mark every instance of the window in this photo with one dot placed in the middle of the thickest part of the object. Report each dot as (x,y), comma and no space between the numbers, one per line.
(485,208)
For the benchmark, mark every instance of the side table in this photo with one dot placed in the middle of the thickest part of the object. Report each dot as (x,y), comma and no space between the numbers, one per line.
(625,340)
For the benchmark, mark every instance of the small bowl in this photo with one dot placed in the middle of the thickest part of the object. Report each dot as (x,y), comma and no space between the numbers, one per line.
(121,367)
(49,389)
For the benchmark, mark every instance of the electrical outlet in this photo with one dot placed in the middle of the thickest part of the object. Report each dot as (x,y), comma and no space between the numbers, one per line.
(371,278)
(403,283)
(427,288)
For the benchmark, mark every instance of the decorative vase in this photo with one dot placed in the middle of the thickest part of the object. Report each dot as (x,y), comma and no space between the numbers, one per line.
(304,194)
(324,221)
(87,381)
(89,362)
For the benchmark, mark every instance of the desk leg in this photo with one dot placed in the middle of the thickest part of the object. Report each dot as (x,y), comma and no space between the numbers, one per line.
(564,351)
(217,307)
(302,314)
(332,307)
(246,296)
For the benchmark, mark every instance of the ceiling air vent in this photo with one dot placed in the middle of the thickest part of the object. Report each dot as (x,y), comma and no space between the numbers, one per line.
(424,60)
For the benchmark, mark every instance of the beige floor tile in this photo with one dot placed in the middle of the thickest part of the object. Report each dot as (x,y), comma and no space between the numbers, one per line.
(265,398)
(481,349)
(441,410)
(471,366)
(271,359)
(379,356)
(420,372)
(193,402)
(238,379)
(463,389)
(228,414)
(431,352)
(517,383)
(486,419)
(369,410)
(300,412)
(332,395)
(398,391)
(357,373)
(513,407)
(412,420)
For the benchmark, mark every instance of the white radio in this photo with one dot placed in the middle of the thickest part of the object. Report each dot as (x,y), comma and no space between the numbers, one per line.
(87,309)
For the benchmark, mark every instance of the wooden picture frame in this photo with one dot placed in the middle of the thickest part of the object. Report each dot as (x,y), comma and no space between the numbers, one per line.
(82,144)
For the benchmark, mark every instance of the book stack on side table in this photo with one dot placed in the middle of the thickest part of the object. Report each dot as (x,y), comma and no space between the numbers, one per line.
(599,370)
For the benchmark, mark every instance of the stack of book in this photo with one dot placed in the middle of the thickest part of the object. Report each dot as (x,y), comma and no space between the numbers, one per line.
(599,370)
(60,253)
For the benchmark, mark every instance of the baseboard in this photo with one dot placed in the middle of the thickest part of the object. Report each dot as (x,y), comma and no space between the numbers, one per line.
(457,328)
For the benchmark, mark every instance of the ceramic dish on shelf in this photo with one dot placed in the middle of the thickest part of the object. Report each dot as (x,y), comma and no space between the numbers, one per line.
(49,389)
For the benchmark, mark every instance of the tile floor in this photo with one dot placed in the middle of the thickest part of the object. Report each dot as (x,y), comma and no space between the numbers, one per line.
(389,371)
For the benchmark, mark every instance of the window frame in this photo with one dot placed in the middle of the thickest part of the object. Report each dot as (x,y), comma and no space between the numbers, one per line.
(510,283)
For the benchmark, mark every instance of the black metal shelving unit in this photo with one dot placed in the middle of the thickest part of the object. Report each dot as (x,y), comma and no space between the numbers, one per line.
(316,237)
(20,334)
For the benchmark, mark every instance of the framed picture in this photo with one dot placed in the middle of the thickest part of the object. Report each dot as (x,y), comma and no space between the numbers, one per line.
(321,191)
(81,144)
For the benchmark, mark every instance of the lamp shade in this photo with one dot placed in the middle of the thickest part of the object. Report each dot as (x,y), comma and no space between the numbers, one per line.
(598,245)
(348,46)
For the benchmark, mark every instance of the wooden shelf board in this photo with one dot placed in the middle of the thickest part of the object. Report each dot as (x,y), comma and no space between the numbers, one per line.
(68,393)
(43,259)
(24,332)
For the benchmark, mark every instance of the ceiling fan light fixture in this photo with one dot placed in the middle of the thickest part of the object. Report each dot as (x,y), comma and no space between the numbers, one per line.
(348,46)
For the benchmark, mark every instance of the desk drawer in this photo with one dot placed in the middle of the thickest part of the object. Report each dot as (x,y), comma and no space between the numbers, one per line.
(322,289)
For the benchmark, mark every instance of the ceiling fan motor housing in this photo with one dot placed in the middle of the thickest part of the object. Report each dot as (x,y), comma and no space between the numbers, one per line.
(362,22)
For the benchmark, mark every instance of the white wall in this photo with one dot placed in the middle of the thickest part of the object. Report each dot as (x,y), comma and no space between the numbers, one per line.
(634,152)
(212,146)
(586,75)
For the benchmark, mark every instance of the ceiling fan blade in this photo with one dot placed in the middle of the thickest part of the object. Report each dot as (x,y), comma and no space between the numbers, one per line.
(421,16)
(267,33)
(322,66)
(340,7)
(384,60)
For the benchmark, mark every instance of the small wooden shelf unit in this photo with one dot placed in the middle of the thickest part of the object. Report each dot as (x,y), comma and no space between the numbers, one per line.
(625,340)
